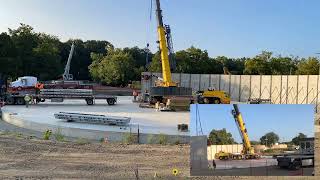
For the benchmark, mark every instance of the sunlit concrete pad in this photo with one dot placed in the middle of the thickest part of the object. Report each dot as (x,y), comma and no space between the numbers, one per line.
(41,117)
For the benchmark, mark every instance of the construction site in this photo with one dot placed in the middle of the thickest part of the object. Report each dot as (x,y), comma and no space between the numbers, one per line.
(209,158)
(72,128)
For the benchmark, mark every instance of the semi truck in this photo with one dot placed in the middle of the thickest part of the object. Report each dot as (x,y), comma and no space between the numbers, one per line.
(303,158)
(55,91)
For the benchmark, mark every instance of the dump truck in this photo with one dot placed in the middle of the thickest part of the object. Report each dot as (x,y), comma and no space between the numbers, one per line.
(303,158)
(56,92)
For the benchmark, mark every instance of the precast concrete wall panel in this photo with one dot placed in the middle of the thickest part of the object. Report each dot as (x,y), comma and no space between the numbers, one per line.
(176,78)
(312,89)
(284,90)
(185,80)
(302,89)
(245,88)
(255,86)
(265,87)
(224,83)
(276,89)
(204,81)
(195,82)
(292,89)
(235,88)
(215,81)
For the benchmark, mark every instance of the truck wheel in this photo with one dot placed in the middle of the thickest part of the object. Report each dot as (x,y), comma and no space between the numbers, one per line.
(110,101)
(220,157)
(20,101)
(89,101)
(10,101)
(206,100)
(216,101)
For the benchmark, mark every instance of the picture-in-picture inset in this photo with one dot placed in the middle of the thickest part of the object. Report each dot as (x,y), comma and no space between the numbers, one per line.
(252,140)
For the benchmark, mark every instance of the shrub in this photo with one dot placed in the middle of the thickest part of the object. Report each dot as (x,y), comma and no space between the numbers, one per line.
(47,134)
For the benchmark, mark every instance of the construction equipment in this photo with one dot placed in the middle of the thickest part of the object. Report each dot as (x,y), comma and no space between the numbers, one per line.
(212,96)
(247,151)
(304,157)
(66,75)
(29,85)
(165,88)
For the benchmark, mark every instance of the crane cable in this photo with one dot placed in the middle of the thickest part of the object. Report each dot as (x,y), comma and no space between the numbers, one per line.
(198,120)
(148,32)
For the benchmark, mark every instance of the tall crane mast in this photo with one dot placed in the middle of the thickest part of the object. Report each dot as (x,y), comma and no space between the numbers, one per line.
(164,51)
(165,87)
(247,149)
(66,75)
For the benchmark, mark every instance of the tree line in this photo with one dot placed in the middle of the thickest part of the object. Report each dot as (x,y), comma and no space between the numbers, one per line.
(26,52)
(222,137)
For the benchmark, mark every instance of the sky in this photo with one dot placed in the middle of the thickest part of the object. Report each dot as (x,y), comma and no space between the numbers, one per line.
(234,28)
(286,120)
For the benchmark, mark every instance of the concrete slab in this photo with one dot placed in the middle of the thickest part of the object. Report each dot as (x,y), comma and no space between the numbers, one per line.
(149,121)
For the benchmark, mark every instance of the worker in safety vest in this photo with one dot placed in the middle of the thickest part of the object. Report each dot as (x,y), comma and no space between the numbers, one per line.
(135,94)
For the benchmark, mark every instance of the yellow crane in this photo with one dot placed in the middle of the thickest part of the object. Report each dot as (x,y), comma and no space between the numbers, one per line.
(165,88)
(248,150)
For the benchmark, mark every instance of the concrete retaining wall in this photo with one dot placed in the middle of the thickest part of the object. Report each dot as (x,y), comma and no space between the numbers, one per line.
(281,89)
(93,134)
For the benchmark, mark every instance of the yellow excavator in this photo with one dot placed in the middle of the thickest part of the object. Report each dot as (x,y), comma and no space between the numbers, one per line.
(165,89)
(247,151)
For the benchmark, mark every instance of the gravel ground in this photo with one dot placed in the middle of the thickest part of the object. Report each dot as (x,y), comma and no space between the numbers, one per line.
(22,157)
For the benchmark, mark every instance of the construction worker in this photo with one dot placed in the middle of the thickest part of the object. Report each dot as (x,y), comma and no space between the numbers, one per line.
(135,94)
(214,165)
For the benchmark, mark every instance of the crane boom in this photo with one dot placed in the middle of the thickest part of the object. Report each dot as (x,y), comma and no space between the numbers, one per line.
(165,90)
(164,52)
(243,131)
(66,74)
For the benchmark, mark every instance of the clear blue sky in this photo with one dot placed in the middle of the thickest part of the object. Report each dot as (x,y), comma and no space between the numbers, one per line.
(285,120)
(235,28)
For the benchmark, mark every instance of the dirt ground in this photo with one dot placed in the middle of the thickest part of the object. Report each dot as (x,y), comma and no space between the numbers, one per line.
(22,157)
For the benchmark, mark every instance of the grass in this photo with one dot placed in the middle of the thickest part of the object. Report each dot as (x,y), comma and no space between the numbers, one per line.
(129,138)
(151,139)
(58,135)
(82,141)
(163,140)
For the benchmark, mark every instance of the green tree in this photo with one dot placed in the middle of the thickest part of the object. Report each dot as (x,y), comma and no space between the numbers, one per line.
(296,140)
(269,139)
(255,142)
(309,66)
(282,66)
(117,68)
(258,65)
(155,65)
(220,137)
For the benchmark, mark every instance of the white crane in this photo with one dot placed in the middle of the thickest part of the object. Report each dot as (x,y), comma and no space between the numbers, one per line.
(66,75)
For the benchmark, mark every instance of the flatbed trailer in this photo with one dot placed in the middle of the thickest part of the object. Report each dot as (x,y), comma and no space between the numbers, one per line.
(56,96)
(295,161)
(304,157)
